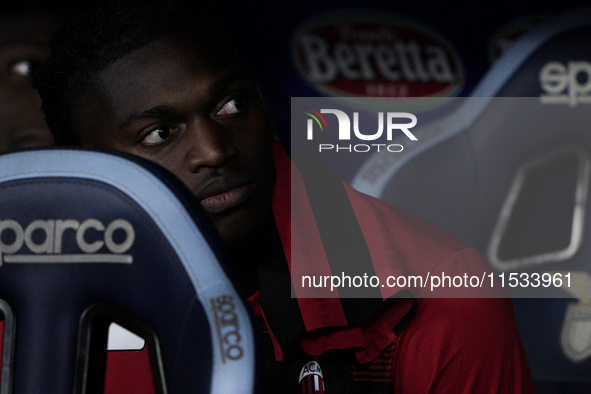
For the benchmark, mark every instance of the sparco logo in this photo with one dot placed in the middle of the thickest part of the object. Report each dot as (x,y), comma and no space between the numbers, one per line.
(44,239)
(371,56)
(228,327)
(566,83)
(396,123)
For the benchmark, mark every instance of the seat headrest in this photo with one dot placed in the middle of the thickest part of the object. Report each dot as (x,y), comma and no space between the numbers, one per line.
(92,236)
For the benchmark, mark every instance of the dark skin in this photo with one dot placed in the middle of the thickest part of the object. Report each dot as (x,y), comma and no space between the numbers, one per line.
(24,45)
(189,106)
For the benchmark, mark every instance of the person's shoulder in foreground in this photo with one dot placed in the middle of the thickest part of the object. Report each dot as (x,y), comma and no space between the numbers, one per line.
(166,83)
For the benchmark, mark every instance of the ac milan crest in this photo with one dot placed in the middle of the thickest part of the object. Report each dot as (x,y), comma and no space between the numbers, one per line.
(311,380)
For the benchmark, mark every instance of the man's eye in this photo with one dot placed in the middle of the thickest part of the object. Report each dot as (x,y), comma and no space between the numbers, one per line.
(24,68)
(233,106)
(158,135)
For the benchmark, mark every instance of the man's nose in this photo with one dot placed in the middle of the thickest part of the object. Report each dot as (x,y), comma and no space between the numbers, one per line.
(209,145)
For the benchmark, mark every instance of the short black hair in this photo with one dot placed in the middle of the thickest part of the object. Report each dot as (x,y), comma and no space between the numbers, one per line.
(88,44)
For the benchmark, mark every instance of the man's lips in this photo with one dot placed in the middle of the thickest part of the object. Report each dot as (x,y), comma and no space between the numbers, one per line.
(221,199)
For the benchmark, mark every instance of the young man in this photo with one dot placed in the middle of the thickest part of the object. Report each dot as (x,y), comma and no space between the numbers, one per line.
(165,82)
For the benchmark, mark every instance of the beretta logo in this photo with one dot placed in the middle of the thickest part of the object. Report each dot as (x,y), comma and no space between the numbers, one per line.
(366,55)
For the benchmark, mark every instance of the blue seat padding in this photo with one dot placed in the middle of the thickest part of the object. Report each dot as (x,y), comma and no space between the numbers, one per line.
(84,228)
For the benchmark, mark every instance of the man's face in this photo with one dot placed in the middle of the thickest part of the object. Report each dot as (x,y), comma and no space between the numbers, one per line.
(24,45)
(189,107)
